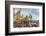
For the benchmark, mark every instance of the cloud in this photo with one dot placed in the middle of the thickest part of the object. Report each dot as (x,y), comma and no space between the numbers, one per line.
(26,11)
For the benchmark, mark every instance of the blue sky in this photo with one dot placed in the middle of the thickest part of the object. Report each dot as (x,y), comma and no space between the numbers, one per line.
(26,11)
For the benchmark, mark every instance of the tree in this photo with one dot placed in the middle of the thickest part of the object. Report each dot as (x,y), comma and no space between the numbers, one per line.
(30,18)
